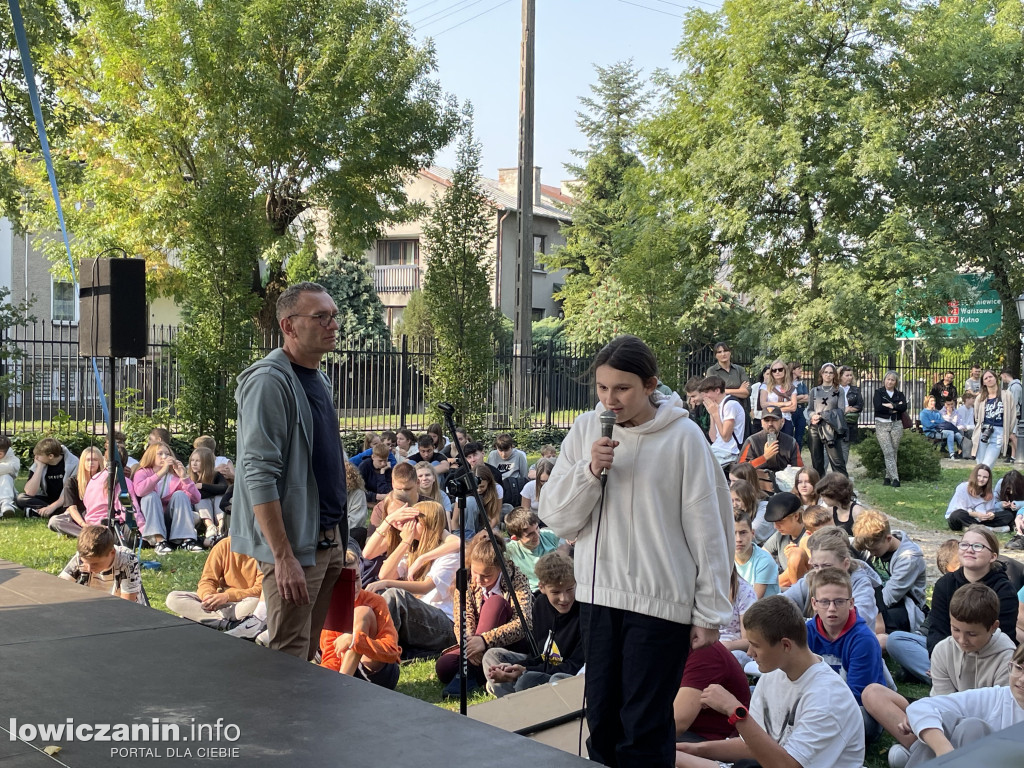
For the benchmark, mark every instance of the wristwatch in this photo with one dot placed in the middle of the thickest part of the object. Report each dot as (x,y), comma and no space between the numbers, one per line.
(740,713)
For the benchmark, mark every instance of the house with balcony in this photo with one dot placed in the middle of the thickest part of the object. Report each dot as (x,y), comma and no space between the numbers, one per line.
(399,258)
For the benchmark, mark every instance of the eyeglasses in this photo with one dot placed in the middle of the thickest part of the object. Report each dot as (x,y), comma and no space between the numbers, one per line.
(839,602)
(975,546)
(778,370)
(324,318)
(1015,668)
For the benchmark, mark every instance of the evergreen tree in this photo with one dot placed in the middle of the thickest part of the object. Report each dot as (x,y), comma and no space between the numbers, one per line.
(349,281)
(459,239)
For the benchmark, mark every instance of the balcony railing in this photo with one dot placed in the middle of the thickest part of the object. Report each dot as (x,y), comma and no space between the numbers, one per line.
(399,278)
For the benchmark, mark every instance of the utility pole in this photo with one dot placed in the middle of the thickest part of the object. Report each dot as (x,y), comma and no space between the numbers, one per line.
(522,333)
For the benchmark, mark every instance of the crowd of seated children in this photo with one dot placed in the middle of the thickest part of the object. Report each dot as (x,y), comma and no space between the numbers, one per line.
(529,542)
(101,564)
(487,488)
(404,492)
(754,565)
(801,710)
(748,497)
(974,502)
(835,493)
(418,590)
(784,544)
(978,552)
(44,489)
(556,629)
(370,651)
(369,441)
(10,466)
(830,548)
(166,498)
(428,453)
(375,471)
(548,452)
(212,486)
(72,520)
(228,591)
(530,495)
(899,562)
(405,443)
(711,665)
(838,633)
(491,620)
(975,655)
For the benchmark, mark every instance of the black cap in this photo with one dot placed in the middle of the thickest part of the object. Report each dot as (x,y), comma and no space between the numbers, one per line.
(772,412)
(781,505)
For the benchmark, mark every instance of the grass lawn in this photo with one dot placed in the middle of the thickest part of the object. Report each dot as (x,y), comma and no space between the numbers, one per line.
(30,543)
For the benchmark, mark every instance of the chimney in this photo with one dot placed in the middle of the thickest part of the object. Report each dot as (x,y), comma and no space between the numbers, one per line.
(508,180)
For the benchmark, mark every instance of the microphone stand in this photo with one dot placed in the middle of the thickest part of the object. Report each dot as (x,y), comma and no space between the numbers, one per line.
(462,577)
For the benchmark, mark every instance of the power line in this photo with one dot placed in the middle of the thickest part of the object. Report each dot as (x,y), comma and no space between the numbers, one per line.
(422,19)
(687,7)
(466,21)
(419,8)
(648,8)
(450,13)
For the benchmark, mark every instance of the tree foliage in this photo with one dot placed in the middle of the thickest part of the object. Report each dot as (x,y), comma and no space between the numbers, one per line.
(459,238)
(349,280)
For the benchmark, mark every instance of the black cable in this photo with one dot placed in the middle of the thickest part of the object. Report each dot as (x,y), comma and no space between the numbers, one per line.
(590,615)
(466,21)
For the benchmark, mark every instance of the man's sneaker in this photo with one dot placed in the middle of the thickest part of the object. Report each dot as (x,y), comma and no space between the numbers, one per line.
(895,483)
(7,509)
(1016,543)
(210,541)
(32,513)
(898,756)
(263,638)
(248,628)
(952,457)
(191,545)
(163,548)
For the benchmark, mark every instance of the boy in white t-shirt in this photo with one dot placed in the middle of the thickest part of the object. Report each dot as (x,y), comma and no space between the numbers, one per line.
(728,421)
(100,564)
(801,711)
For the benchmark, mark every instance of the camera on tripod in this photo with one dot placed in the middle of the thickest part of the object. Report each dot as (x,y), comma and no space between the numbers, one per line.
(461,485)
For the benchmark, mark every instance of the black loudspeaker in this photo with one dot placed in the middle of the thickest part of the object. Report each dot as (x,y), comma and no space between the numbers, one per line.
(113,317)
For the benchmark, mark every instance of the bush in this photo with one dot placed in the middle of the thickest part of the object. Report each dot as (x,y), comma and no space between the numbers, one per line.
(917,457)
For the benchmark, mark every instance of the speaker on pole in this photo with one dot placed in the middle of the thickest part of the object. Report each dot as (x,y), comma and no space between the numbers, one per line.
(113,317)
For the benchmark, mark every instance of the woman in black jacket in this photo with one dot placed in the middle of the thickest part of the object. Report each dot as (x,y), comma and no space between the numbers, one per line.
(889,404)
(854,405)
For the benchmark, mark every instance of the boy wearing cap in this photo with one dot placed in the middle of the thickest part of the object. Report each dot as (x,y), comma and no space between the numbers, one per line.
(784,544)
(771,448)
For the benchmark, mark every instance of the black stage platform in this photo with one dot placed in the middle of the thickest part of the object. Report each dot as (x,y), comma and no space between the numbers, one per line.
(70,652)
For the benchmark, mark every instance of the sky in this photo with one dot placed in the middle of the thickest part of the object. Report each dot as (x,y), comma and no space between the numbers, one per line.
(478,60)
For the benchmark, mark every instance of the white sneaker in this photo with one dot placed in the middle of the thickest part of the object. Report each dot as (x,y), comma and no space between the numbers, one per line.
(263,638)
(7,509)
(248,629)
(1000,529)
(898,756)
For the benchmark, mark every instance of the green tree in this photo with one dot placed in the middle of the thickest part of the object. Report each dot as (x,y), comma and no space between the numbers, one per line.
(775,140)
(955,83)
(416,323)
(459,241)
(349,280)
(11,316)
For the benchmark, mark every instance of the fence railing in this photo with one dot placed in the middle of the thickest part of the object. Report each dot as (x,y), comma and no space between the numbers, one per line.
(383,386)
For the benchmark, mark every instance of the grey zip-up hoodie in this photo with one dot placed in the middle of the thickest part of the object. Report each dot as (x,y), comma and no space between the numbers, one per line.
(275,437)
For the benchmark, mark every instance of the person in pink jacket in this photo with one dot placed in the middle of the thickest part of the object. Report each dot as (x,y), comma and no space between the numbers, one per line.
(167,497)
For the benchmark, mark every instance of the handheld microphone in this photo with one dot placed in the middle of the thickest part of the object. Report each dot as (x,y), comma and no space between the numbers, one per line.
(607,422)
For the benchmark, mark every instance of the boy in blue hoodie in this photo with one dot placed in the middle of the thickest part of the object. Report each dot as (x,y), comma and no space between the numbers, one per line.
(843,640)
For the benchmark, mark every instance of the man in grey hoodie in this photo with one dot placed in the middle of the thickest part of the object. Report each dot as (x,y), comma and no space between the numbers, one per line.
(290,497)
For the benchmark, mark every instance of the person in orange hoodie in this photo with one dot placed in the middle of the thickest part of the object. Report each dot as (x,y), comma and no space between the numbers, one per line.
(228,592)
(370,651)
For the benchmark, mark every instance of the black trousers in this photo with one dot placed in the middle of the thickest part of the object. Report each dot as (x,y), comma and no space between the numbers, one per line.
(960,519)
(634,666)
(820,447)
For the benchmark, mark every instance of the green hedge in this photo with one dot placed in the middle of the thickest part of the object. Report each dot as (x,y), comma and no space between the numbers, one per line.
(917,458)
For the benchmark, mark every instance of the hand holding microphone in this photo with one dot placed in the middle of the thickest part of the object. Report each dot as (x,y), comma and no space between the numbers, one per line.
(603,451)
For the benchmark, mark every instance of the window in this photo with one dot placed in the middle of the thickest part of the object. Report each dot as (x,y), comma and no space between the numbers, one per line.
(64,304)
(539,242)
(392,253)
(539,245)
(537,314)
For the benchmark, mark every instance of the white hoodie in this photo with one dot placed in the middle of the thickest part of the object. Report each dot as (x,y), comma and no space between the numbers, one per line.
(666,538)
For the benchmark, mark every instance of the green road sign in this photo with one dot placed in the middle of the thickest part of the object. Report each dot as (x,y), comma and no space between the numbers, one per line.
(982,317)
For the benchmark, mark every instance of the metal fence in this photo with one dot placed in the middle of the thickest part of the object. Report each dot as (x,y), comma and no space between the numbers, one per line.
(384,386)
